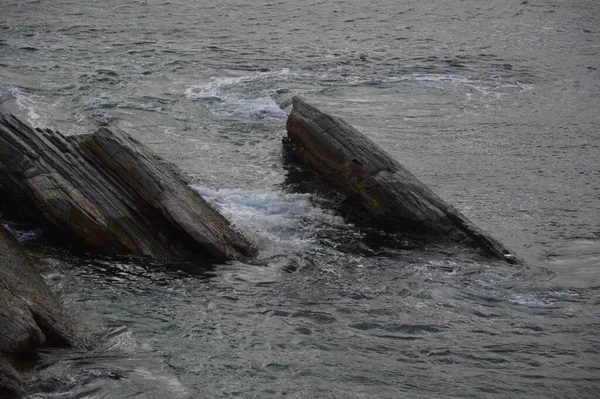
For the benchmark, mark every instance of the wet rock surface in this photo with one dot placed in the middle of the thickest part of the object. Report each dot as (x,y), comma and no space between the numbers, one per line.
(377,189)
(107,191)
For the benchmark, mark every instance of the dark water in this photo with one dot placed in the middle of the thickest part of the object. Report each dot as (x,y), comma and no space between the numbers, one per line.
(495,105)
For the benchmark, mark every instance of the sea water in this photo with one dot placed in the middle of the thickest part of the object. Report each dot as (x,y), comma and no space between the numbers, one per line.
(494,105)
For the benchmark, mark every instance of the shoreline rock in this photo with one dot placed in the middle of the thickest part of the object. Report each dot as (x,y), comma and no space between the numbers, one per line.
(31,316)
(109,192)
(377,189)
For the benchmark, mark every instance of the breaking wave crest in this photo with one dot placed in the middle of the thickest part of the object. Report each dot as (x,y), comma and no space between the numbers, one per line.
(277,219)
(239,96)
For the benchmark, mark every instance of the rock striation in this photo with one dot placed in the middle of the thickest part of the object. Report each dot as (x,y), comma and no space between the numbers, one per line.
(376,187)
(107,191)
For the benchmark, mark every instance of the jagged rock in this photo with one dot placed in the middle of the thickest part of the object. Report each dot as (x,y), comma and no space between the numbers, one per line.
(30,314)
(377,188)
(107,191)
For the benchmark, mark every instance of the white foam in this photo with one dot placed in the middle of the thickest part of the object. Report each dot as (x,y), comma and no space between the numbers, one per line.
(288,220)
(121,340)
(531,300)
(226,96)
(22,235)
(163,380)
(27,103)
(489,280)
(492,86)
(438,78)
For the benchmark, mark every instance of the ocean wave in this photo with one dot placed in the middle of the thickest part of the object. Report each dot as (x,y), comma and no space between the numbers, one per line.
(486,86)
(243,96)
(531,301)
(288,220)
(26,102)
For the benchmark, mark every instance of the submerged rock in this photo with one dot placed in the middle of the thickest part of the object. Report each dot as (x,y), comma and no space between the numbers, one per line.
(107,191)
(376,188)
(30,314)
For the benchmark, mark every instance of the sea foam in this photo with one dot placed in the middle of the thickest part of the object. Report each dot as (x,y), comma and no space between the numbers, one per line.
(277,218)
(27,103)
(242,96)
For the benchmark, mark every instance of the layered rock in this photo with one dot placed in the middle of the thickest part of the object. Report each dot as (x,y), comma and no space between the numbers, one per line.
(377,188)
(109,192)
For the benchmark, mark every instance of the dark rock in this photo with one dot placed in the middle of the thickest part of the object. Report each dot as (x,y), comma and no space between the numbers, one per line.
(30,314)
(107,191)
(376,188)
(11,384)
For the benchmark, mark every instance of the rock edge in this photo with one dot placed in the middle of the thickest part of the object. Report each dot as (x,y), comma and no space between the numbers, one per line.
(376,185)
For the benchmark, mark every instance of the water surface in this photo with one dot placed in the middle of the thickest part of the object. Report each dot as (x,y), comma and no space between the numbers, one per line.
(494,106)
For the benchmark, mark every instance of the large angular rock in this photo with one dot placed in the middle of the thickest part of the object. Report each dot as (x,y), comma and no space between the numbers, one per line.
(107,191)
(30,314)
(377,185)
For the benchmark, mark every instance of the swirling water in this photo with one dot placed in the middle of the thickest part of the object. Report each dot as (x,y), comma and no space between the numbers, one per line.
(493,105)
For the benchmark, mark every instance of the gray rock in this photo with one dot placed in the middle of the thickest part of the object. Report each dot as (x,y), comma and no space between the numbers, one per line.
(30,314)
(11,384)
(107,191)
(377,188)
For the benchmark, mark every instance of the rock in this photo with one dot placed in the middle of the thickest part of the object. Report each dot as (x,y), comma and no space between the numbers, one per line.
(11,384)
(30,314)
(107,191)
(377,189)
